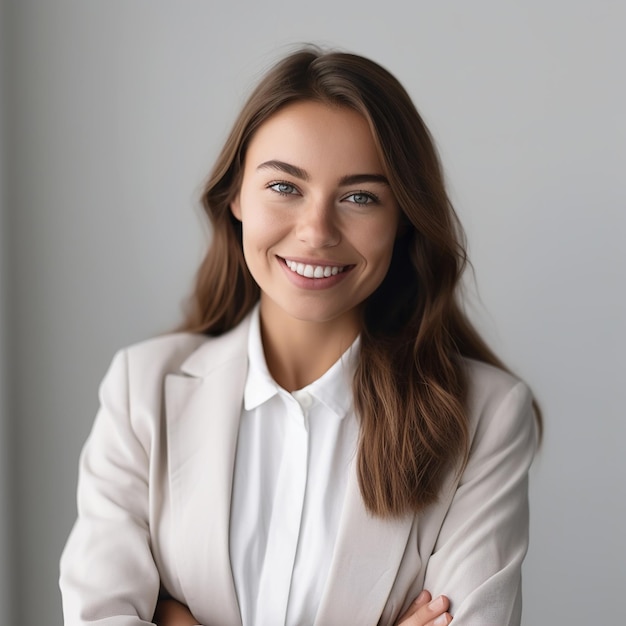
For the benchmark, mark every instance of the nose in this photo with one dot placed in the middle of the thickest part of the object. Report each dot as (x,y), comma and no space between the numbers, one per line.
(317,225)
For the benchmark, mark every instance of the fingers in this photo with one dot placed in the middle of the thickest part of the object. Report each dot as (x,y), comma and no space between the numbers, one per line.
(436,612)
(427,612)
(421,600)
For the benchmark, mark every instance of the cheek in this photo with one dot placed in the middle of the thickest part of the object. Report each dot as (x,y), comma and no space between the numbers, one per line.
(378,241)
(382,252)
(261,228)
(384,261)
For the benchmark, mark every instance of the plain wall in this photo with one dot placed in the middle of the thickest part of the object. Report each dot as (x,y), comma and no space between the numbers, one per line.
(117,110)
(6,517)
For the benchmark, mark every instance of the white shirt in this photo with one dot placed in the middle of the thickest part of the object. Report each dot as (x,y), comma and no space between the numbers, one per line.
(291,469)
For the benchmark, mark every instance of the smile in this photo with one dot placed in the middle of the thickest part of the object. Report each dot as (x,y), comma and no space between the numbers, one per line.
(314,271)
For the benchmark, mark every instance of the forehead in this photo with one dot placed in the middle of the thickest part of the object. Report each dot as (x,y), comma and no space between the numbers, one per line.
(315,134)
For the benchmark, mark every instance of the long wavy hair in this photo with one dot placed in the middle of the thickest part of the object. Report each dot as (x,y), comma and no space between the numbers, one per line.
(410,386)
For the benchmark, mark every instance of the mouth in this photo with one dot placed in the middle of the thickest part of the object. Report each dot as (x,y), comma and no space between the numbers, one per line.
(314,271)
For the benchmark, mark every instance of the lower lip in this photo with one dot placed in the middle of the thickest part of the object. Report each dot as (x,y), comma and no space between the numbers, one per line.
(314,283)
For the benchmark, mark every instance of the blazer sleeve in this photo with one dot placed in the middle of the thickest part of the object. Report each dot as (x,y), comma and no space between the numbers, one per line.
(108,575)
(478,555)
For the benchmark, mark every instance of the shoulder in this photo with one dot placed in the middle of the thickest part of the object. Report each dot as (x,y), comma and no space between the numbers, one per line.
(167,352)
(193,354)
(499,404)
(136,381)
(488,383)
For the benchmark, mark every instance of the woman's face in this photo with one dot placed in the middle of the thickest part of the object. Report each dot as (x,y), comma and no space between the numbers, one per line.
(318,216)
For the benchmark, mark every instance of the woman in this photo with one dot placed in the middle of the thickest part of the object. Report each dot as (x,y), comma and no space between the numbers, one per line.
(328,436)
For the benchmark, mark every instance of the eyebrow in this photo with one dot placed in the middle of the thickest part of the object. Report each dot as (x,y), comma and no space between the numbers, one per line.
(298,172)
(355,179)
(287,168)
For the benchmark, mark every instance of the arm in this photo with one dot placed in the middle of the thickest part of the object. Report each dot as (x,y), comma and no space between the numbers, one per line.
(170,612)
(108,574)
(483,540)
(422,612)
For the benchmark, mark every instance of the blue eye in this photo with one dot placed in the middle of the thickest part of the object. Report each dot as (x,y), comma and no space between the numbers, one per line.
(362,198)
(285,189)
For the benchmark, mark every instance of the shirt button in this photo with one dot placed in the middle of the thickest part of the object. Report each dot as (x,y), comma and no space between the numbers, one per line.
(304,399)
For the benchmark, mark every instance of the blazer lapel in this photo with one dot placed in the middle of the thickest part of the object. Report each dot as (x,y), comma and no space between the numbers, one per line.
(203,407)
(366,559)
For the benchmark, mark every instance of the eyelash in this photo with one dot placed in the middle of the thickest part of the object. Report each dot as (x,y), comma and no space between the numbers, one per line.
(372,198)
(277,183)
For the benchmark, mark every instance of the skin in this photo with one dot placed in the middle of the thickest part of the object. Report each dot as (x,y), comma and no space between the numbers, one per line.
(427,612)
(424,611)
(314,192)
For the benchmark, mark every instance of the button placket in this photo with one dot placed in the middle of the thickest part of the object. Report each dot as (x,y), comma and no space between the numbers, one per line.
(282,543)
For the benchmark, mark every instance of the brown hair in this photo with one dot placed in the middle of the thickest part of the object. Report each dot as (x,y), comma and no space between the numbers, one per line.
(410,385)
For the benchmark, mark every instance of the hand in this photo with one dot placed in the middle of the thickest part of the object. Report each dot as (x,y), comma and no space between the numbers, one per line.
(170,612)
(427,612)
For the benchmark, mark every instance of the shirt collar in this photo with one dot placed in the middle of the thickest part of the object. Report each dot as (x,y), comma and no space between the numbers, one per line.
(260,386)
(333,388)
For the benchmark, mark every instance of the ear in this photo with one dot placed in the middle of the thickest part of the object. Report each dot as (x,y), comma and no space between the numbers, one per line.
(235,206)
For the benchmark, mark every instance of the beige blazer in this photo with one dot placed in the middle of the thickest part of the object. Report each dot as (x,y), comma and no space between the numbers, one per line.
(154,502)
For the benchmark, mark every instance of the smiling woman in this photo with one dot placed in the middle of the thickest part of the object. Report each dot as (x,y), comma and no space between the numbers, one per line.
(318,241)
(328,440)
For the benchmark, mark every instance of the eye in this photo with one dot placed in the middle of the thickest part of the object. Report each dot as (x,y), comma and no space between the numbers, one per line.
(362,198)
(284,189)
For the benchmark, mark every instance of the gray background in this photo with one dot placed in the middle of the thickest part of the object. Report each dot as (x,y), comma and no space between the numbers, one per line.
(112,115)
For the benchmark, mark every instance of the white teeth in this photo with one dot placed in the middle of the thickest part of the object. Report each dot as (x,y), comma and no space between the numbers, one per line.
(314,271)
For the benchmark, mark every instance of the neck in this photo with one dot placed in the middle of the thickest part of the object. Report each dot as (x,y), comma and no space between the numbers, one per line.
(298,352)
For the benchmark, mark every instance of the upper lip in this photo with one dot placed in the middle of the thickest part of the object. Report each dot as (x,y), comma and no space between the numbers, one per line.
(314,262)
